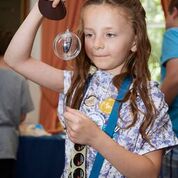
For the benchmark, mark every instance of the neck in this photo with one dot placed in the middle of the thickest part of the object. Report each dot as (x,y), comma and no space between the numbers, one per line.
(2,63)
(175,24)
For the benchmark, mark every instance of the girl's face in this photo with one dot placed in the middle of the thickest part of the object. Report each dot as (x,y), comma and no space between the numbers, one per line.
(109,37)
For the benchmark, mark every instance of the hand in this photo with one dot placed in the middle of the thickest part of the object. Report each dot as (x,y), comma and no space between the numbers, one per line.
(80,128)
(56,2)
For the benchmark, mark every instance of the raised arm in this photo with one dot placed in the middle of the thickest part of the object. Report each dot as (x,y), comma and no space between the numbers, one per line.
(18,54)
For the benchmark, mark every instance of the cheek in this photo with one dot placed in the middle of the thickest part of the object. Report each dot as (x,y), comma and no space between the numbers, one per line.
(119,52)
(88,47)
(122,46)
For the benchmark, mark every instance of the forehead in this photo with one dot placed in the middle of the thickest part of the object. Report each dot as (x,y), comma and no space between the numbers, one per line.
(105,14)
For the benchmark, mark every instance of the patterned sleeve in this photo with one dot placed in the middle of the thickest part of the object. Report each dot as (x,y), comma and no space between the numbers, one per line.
(62,102)
(161,134)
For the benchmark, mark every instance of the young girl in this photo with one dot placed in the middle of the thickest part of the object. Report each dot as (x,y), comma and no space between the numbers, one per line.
(115,42)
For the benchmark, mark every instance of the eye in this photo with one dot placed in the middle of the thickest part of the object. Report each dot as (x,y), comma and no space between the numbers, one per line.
(110,35)
(88,35)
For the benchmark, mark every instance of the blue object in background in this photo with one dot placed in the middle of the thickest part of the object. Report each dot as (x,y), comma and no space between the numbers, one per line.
(40,157)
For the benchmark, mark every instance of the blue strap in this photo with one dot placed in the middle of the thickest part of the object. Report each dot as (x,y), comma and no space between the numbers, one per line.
(112,122)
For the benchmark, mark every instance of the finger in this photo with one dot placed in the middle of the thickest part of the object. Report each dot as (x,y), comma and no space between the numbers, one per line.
(68,127)
(68,130)
(71,114)
(75,112)
(69,117)
(70,135)
(55,3)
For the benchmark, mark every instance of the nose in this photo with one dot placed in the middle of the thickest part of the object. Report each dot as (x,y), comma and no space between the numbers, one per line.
(98,43)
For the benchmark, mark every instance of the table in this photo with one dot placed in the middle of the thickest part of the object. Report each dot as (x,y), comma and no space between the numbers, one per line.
(40,157)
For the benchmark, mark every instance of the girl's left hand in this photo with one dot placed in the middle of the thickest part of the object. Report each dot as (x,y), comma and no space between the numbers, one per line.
(80,128)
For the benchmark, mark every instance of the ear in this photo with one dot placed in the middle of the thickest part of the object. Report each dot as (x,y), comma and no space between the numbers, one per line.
(134,45)
(175,13)
(134,48)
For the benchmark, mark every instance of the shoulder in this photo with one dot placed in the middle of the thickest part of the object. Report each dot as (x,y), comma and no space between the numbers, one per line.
(161,107)
(160,131)
(173,31)
(154,89)
(157,95)
(171,34)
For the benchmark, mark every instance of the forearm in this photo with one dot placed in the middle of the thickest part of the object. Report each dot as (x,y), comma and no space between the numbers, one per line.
(22,42)
(129,164)
(169,85)
(170,88)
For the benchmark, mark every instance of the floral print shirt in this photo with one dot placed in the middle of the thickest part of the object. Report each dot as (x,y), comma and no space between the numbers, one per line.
(96,105)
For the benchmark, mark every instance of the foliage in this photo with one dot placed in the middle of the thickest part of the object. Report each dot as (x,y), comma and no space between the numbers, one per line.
(155,26)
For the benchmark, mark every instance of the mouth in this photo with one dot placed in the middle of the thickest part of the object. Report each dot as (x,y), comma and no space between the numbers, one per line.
(100,56)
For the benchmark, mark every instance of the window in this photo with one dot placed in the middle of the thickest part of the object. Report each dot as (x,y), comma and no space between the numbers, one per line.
(156,27)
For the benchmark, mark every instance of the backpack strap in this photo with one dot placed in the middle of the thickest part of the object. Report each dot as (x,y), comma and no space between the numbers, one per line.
(112,122)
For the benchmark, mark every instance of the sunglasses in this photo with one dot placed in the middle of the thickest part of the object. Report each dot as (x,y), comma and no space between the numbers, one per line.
(77,163)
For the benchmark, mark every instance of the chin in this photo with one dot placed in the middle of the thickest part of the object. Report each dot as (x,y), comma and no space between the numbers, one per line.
(101,67)
(100,64)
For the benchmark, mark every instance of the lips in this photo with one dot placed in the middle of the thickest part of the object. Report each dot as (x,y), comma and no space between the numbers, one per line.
(99,56)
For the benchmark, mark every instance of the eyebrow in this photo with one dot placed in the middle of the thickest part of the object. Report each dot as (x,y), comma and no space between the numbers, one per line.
(106,28)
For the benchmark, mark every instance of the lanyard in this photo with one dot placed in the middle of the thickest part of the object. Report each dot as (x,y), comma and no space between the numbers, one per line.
(112,122)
